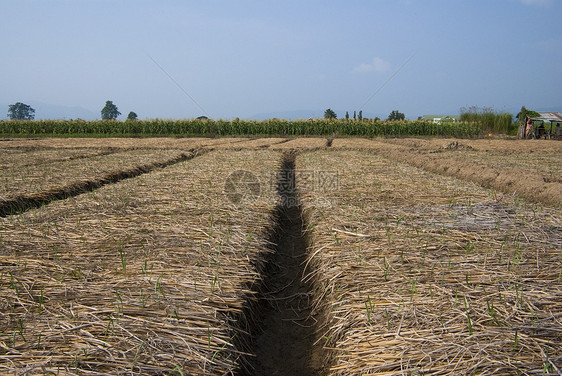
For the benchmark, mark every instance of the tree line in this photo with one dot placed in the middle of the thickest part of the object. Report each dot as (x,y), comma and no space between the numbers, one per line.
(331,114)
(22,111)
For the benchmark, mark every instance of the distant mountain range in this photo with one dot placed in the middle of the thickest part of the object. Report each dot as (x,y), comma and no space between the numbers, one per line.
(54,111)
(307,114)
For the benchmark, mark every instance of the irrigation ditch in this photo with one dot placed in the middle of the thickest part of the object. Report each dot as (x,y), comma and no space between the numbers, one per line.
(279,325)
(23,203)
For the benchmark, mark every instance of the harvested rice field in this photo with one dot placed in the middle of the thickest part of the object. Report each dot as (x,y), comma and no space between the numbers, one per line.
(148,275)
(27,179)
(301,144)
(529,170)
(423,274)
(280,256)
(121,143)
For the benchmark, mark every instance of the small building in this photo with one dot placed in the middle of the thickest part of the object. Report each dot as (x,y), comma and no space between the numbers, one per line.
(438,119)
(547,125)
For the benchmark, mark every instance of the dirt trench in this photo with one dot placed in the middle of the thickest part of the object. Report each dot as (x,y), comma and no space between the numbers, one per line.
(288,329)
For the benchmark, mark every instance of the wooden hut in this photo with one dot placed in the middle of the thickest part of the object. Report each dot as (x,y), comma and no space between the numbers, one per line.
(547,125)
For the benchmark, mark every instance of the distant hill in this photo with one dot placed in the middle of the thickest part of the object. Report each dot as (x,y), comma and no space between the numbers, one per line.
(54,111)
(307,114)
(297,114)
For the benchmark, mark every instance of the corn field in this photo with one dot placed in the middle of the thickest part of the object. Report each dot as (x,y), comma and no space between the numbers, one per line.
(236,127)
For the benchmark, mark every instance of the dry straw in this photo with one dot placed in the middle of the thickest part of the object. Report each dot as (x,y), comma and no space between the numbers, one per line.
(413,271)
(524,170)
(146,276)
(120,143)
(27,175)
(256,143)
(423,274)
(301,143)
(13,159)
(507,146)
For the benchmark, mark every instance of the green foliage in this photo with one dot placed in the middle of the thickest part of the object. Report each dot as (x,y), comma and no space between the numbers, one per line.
(109,111)
(488,120)
(330,114)
(132,116)
(524,113)
(395,115)
(21,111)
(521,121)
(237,127)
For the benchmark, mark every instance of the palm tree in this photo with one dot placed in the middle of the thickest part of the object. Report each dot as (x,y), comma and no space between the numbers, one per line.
(330,114)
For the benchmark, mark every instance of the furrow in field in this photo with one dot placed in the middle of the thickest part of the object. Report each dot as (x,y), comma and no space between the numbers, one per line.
(487,144)
(421,273)
(150,275)
(285,344)
(32,186)
(530,174)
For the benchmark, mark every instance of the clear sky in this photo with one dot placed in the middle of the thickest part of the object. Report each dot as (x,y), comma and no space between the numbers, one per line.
(244,57)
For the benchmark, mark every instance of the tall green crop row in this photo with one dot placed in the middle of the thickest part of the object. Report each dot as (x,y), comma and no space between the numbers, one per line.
(236,127)
(490,121)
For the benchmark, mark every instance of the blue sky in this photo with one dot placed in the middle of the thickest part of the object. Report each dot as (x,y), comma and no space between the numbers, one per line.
(240,58)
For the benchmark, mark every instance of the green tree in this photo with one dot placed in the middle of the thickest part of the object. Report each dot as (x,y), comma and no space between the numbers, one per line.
(330,114)
(395,115)
(354,115)
(132,116)
(521,124)
(524,113)
(346,115)
(21,111)
(110,111)
(360,115)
